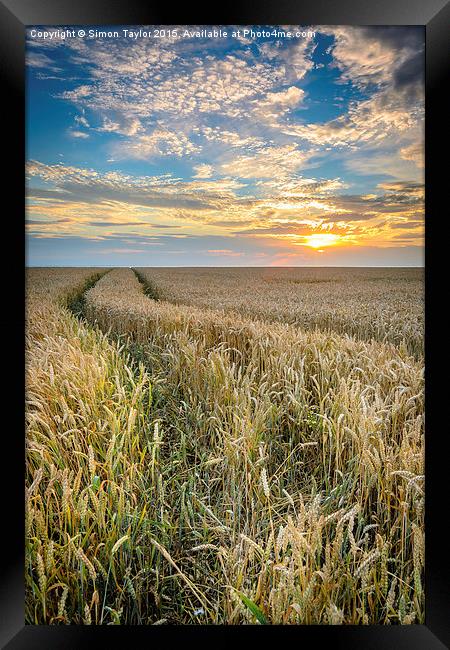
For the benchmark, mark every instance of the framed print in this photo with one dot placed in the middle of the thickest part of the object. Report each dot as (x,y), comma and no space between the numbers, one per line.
(227,272)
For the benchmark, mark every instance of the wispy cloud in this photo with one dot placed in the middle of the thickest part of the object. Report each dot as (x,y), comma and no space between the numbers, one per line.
(263,143)
(203,171)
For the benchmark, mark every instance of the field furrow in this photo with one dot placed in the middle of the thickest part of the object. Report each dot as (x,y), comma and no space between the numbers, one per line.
(88,465)
(288,464)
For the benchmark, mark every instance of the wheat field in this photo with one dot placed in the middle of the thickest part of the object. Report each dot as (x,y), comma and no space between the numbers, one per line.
(225,446)
(383,304)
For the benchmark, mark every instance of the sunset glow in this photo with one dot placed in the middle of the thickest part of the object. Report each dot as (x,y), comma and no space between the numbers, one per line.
(320,241)
(226,151)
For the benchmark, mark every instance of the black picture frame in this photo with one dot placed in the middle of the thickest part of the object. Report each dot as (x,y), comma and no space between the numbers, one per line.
(14,16)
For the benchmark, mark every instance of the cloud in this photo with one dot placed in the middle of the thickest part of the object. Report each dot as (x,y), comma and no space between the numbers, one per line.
(231,139)
(414,152)
(224,252)
(407,224)
(403,188)
(391,56)
(108,224)
(89,186)
(275,105)
(161,142)
(83,201)
(47,222)
(367,122)
(41,60)
(203,171)
(238,149)
(294,58)
(78,134)
(267,162)
(81,121)
(157,92)
(289,98)
(174,86)
(165,83)
(75,250)
(123,125)
(386,65)
(289,228)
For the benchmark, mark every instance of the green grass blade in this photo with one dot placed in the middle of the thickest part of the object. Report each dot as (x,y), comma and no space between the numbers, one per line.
(257,613)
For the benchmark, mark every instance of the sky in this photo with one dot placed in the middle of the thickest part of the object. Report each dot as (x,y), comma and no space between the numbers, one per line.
(267,146)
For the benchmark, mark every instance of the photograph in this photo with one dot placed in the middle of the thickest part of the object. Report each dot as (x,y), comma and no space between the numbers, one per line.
(224,325)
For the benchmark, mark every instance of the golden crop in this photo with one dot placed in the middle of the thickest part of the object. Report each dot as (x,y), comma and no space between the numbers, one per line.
(196,465)
(384,304)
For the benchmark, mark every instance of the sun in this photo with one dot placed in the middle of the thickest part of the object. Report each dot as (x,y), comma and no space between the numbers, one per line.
(321,240)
